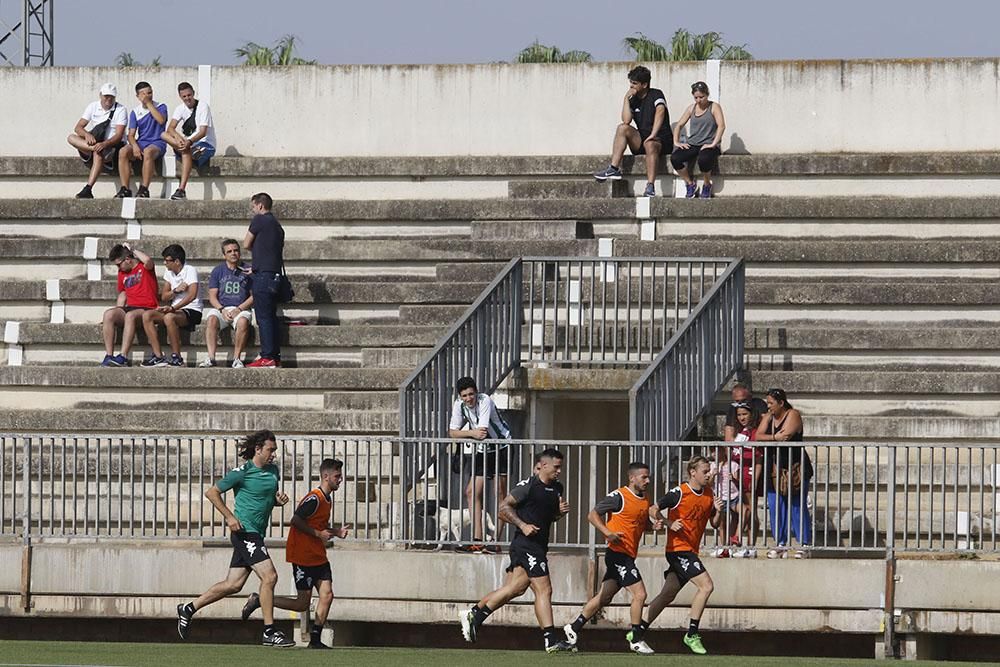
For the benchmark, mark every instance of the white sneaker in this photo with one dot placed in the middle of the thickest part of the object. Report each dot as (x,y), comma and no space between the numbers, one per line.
(570,634)
(237,363)
(468,629)
(740,553)
(640,647)
(207,363)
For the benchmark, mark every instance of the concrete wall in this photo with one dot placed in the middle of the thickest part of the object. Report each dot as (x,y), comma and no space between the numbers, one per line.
(501,109)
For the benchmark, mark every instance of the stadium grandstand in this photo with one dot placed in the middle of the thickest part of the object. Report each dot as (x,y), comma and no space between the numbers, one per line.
(855,268)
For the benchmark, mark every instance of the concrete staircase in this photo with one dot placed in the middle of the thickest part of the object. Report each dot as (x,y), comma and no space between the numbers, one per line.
(876,313)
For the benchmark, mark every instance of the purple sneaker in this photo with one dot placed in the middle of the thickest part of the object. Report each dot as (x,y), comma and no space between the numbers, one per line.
(692,191)
(706,191)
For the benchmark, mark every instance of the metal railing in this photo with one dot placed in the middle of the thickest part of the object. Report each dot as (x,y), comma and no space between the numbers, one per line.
(858,498)
(679,385)
(588,311)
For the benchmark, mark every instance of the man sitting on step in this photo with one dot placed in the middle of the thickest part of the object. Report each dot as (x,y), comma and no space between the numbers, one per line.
(230,297)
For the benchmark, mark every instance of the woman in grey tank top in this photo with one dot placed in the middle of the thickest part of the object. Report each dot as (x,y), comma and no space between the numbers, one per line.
(703,145)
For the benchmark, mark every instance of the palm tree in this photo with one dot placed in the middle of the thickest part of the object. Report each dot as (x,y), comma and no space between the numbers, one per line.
(539,53)
(282,53)
(685,46)
(126,59)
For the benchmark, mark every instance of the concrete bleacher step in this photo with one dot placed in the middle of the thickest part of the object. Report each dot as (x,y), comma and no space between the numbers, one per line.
(159,420)
(582,188)
(791,175)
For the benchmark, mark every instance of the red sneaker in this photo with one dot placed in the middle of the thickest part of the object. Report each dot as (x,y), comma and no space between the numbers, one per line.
(261,362)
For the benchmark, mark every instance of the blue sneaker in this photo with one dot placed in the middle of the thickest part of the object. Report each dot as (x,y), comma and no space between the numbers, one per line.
(120,360)
(109,361)
(650,190)
(706,191)
(692,191)
(612,173)
(154,362)
(175,360)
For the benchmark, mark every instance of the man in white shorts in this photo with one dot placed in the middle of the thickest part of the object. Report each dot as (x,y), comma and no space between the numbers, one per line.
(229,294)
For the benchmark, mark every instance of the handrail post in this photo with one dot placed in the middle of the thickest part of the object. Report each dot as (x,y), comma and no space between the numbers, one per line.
(889,610)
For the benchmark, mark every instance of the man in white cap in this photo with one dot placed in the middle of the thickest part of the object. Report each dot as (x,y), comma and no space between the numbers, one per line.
(98,135)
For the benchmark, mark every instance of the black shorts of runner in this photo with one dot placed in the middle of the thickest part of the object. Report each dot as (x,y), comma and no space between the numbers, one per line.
(193,318)
(529,555)
(248,550)
(666,144)
(621,569)
(129,309)
(307,576)
(685,564)
(487,464)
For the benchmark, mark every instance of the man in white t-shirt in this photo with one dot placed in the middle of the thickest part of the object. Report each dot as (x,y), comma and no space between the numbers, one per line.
(191,134)
(104,117)
(475,416)
(180,289)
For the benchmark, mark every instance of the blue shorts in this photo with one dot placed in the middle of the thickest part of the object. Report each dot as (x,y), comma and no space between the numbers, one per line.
(204,152)
(159,143)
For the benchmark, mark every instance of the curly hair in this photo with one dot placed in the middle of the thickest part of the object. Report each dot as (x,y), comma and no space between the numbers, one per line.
(249,445)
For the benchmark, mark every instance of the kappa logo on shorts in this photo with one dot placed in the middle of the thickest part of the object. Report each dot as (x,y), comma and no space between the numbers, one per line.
(622,572)
(684,563)
(532,561)
(251,547)
(299,574)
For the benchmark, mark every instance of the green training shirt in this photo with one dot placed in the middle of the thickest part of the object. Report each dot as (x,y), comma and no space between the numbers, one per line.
(254,489)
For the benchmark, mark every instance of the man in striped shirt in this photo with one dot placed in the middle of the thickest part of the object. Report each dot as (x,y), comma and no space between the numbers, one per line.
(474,416)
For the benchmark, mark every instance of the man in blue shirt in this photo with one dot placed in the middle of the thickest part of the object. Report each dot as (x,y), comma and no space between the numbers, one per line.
(229,294)
(146,123)
(266,239)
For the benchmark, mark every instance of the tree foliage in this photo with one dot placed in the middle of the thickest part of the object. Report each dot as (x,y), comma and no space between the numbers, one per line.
(685,46)
(282,53)
(126,59)
(539,53)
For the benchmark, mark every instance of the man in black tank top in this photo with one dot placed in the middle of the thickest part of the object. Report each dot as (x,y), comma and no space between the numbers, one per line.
(651,136)
(531,507)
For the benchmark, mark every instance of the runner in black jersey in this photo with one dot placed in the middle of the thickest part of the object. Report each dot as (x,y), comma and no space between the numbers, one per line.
(531,507)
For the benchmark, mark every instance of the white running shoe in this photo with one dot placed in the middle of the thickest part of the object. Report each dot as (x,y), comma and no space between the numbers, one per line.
(237,364)
(207,363)
(570,634)
(640,647)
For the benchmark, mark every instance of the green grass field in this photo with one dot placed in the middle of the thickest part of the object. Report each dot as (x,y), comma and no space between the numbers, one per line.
(175,655)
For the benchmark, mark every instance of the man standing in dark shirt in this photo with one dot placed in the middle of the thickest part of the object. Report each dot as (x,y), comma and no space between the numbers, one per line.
(651,135)
(531,507)
(266,238)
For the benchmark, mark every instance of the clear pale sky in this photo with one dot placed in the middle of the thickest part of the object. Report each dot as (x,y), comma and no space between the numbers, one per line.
(475,31)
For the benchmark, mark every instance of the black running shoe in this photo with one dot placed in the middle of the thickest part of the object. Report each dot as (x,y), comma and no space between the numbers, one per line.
(252,605)
(183,621)
(143,192)
(86,193)
(178,195)
(318,645)
(123,192)
(278,639)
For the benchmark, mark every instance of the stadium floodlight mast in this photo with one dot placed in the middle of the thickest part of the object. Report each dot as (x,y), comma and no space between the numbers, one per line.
(26,33)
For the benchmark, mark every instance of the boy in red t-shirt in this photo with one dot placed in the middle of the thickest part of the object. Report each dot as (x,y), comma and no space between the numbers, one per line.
(137,292)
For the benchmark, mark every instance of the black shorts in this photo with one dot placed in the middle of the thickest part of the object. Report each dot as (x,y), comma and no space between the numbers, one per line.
(685,564)
(529,555)
(193,318)
(621,569)
(129,309)
(307,576)
(487,464)
(248,550)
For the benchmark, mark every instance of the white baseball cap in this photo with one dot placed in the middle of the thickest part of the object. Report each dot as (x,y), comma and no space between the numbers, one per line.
(109,89)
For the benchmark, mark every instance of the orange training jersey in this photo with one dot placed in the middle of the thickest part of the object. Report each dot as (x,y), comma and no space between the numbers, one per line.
(630,521)
(303,549)
(694,509)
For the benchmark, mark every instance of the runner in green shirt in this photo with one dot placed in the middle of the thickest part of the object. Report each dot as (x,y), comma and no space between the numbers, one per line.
(255,486)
